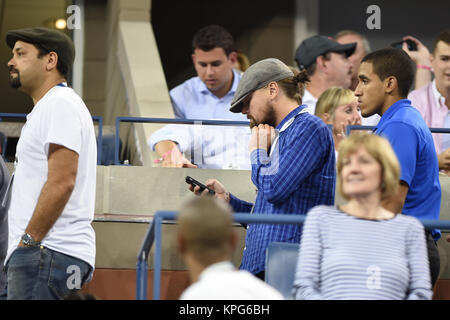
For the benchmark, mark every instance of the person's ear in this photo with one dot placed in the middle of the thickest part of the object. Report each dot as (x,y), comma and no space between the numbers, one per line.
(432,58)
(326,117)
(320,63)
(232,57)
(193,58)
(52,61)
(390,84)
(273,89)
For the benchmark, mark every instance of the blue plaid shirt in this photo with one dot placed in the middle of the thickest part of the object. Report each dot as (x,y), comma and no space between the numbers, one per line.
(301,177)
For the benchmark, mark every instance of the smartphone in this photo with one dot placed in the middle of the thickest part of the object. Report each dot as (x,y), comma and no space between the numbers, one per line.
(412,46)
(193,182)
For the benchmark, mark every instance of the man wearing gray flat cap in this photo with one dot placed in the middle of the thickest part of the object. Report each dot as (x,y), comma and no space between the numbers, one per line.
(51,243)
(292,153)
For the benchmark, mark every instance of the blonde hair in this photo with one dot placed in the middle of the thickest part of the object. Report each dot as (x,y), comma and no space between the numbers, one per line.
(331,98)
(379,148)
(243,60)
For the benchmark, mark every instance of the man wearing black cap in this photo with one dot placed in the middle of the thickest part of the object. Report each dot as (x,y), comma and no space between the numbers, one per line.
(293,165)
(51,243)
(327,65)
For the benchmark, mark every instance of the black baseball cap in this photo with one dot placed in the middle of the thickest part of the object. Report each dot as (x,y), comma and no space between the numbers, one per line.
(47,39)
(317,45)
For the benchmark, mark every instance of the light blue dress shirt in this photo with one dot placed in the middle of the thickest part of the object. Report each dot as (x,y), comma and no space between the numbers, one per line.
(213,147)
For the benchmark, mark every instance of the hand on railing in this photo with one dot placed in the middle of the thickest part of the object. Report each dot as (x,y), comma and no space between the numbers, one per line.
(175,159)
(171,157)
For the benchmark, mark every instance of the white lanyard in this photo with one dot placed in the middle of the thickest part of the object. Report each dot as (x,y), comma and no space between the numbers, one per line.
(283,128)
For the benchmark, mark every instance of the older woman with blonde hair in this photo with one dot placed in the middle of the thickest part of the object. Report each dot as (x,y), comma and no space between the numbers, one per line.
(338,107)
(361,250)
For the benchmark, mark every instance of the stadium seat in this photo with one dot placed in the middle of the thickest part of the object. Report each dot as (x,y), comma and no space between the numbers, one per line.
(281,261)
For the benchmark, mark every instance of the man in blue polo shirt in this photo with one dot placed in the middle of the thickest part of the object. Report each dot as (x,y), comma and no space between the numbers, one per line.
(206,97)
(385,78)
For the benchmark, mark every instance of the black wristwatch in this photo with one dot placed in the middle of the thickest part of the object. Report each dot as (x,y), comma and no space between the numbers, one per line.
(29,241)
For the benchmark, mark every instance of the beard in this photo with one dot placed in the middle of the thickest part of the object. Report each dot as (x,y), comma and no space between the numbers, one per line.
(14,82)
(268,118)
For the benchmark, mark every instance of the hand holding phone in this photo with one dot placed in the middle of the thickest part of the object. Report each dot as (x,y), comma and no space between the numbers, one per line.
(412,46)
(194,183)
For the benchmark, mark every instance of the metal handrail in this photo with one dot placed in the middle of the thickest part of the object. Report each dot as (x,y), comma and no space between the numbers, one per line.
(355,127)
(168,120)
(217,123)
(154,233)
(99,119)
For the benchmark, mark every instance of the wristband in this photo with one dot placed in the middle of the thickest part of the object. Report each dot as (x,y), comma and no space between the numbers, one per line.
(163,157)
(422,66)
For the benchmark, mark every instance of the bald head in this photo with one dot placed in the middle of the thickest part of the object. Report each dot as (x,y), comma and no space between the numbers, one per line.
(205,230)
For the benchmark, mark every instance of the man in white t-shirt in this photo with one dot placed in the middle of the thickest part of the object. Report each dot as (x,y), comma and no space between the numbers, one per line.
(51,243)
(206,240)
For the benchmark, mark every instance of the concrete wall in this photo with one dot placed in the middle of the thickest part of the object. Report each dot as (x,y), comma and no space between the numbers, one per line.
(95,56)
(134,76)
(136,193)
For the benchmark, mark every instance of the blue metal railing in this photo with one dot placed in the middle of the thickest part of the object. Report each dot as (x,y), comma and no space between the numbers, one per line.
(167,120)
(217,123)
(433,130)
(154,233)
(99,119)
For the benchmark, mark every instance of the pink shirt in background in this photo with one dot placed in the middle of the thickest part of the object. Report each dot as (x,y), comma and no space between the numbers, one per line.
(431,105)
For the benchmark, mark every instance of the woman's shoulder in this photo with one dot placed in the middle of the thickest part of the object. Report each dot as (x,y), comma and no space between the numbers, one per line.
(324,210)
(411,222)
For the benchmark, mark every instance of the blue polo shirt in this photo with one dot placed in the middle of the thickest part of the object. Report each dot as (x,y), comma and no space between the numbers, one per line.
(413,144)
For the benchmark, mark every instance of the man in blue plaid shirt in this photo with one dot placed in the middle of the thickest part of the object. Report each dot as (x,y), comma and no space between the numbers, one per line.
(292,153)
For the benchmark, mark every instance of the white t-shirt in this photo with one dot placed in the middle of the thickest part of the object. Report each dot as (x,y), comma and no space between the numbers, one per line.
(309,100)
(60,117)
(221,281)
(370,121)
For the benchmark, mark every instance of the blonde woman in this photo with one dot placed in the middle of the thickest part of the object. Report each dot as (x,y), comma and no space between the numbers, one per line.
(338,107)
(361,250)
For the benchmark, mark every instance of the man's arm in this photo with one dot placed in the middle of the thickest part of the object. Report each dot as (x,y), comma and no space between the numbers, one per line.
(444,160)
(423,62)
(62,173)
(396,202)
(277,176)
(171,155)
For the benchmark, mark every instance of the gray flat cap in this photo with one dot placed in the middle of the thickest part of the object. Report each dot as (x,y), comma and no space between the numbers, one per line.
(256,77)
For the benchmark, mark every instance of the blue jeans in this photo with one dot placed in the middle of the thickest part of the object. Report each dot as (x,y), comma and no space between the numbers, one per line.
(38,273)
